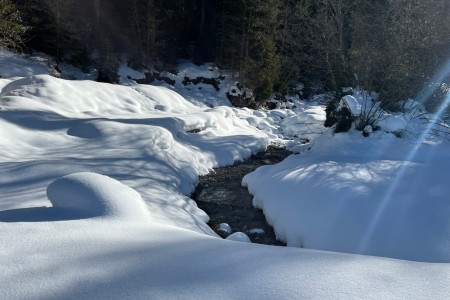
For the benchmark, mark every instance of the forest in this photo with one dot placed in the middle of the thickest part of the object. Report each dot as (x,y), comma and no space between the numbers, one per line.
(392,47)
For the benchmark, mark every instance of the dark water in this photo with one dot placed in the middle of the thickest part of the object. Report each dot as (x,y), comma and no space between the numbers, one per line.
(222,197)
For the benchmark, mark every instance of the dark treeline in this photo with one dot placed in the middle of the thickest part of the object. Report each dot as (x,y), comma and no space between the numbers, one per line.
(390,46)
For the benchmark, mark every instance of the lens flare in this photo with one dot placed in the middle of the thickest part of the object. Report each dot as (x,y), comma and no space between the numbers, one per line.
(422,97)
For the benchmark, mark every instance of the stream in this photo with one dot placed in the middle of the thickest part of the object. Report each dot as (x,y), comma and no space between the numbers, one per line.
(221,195)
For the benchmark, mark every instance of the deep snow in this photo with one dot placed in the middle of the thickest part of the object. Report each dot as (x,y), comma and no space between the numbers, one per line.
(67,232)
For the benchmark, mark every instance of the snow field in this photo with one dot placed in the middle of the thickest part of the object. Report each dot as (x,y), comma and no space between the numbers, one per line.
(150,145)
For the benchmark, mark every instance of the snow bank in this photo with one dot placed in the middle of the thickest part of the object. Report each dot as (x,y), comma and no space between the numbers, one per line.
(12,65)
(92,99)
(127,75)
(379,195)
(94,195)
(148,137)
(295,128)
(191,70)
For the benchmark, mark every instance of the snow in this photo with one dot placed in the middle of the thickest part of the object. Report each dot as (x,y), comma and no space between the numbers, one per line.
(188,69)
(94,181)
(12,65)
(89,195)
(257,231)
(127,74)
(379,195)
(225,227)
(239,237)
(351,104)
(200,94)
(392,123)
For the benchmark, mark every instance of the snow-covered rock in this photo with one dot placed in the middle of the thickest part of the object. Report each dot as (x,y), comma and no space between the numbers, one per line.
(239,237)
(350,103)
(225,228)
(257,231)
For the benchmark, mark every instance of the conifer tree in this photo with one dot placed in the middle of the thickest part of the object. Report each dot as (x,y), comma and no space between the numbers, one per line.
(11,30)
(260,59)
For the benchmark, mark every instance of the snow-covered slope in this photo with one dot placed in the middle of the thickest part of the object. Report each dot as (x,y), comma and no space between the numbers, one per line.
(379,195)
(93,205)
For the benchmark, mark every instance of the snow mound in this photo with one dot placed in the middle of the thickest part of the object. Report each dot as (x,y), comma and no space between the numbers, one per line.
(93,195)
(351,104)
(225,228)
(239,237)
(393,123)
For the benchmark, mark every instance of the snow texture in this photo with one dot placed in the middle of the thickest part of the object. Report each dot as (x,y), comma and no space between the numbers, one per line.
(93,195)
(350,103)
(67,232)
(378,195)
(239,237)
(393,123)
(225,228)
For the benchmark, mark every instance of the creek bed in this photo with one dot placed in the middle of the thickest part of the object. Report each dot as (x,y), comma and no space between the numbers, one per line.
(221,195)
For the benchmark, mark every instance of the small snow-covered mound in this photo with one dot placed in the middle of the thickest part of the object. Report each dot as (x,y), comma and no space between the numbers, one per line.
(239,237)
(392,123)
(93,195)
(225,228)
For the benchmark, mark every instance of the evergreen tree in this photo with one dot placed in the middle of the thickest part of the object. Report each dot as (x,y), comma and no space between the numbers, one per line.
(398,45)
(11,30)
(247,43)
(260,60)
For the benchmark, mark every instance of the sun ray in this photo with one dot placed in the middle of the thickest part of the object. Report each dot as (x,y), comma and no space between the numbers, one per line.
(410,156)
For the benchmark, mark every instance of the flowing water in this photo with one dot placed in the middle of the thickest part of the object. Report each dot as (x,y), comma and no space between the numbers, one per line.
(222,197)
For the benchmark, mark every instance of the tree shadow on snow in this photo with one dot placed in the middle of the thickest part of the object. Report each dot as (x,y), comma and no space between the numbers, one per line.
(38,214)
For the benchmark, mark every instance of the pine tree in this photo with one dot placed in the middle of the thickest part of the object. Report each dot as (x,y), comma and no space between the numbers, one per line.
(260,59)
(11,30)
(247,43)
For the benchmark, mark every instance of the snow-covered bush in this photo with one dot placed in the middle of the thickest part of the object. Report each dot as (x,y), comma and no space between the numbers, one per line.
(341,118)
(360,110)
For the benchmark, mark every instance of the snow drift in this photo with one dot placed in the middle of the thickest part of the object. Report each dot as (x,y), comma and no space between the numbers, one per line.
(94,195)
(378,195)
